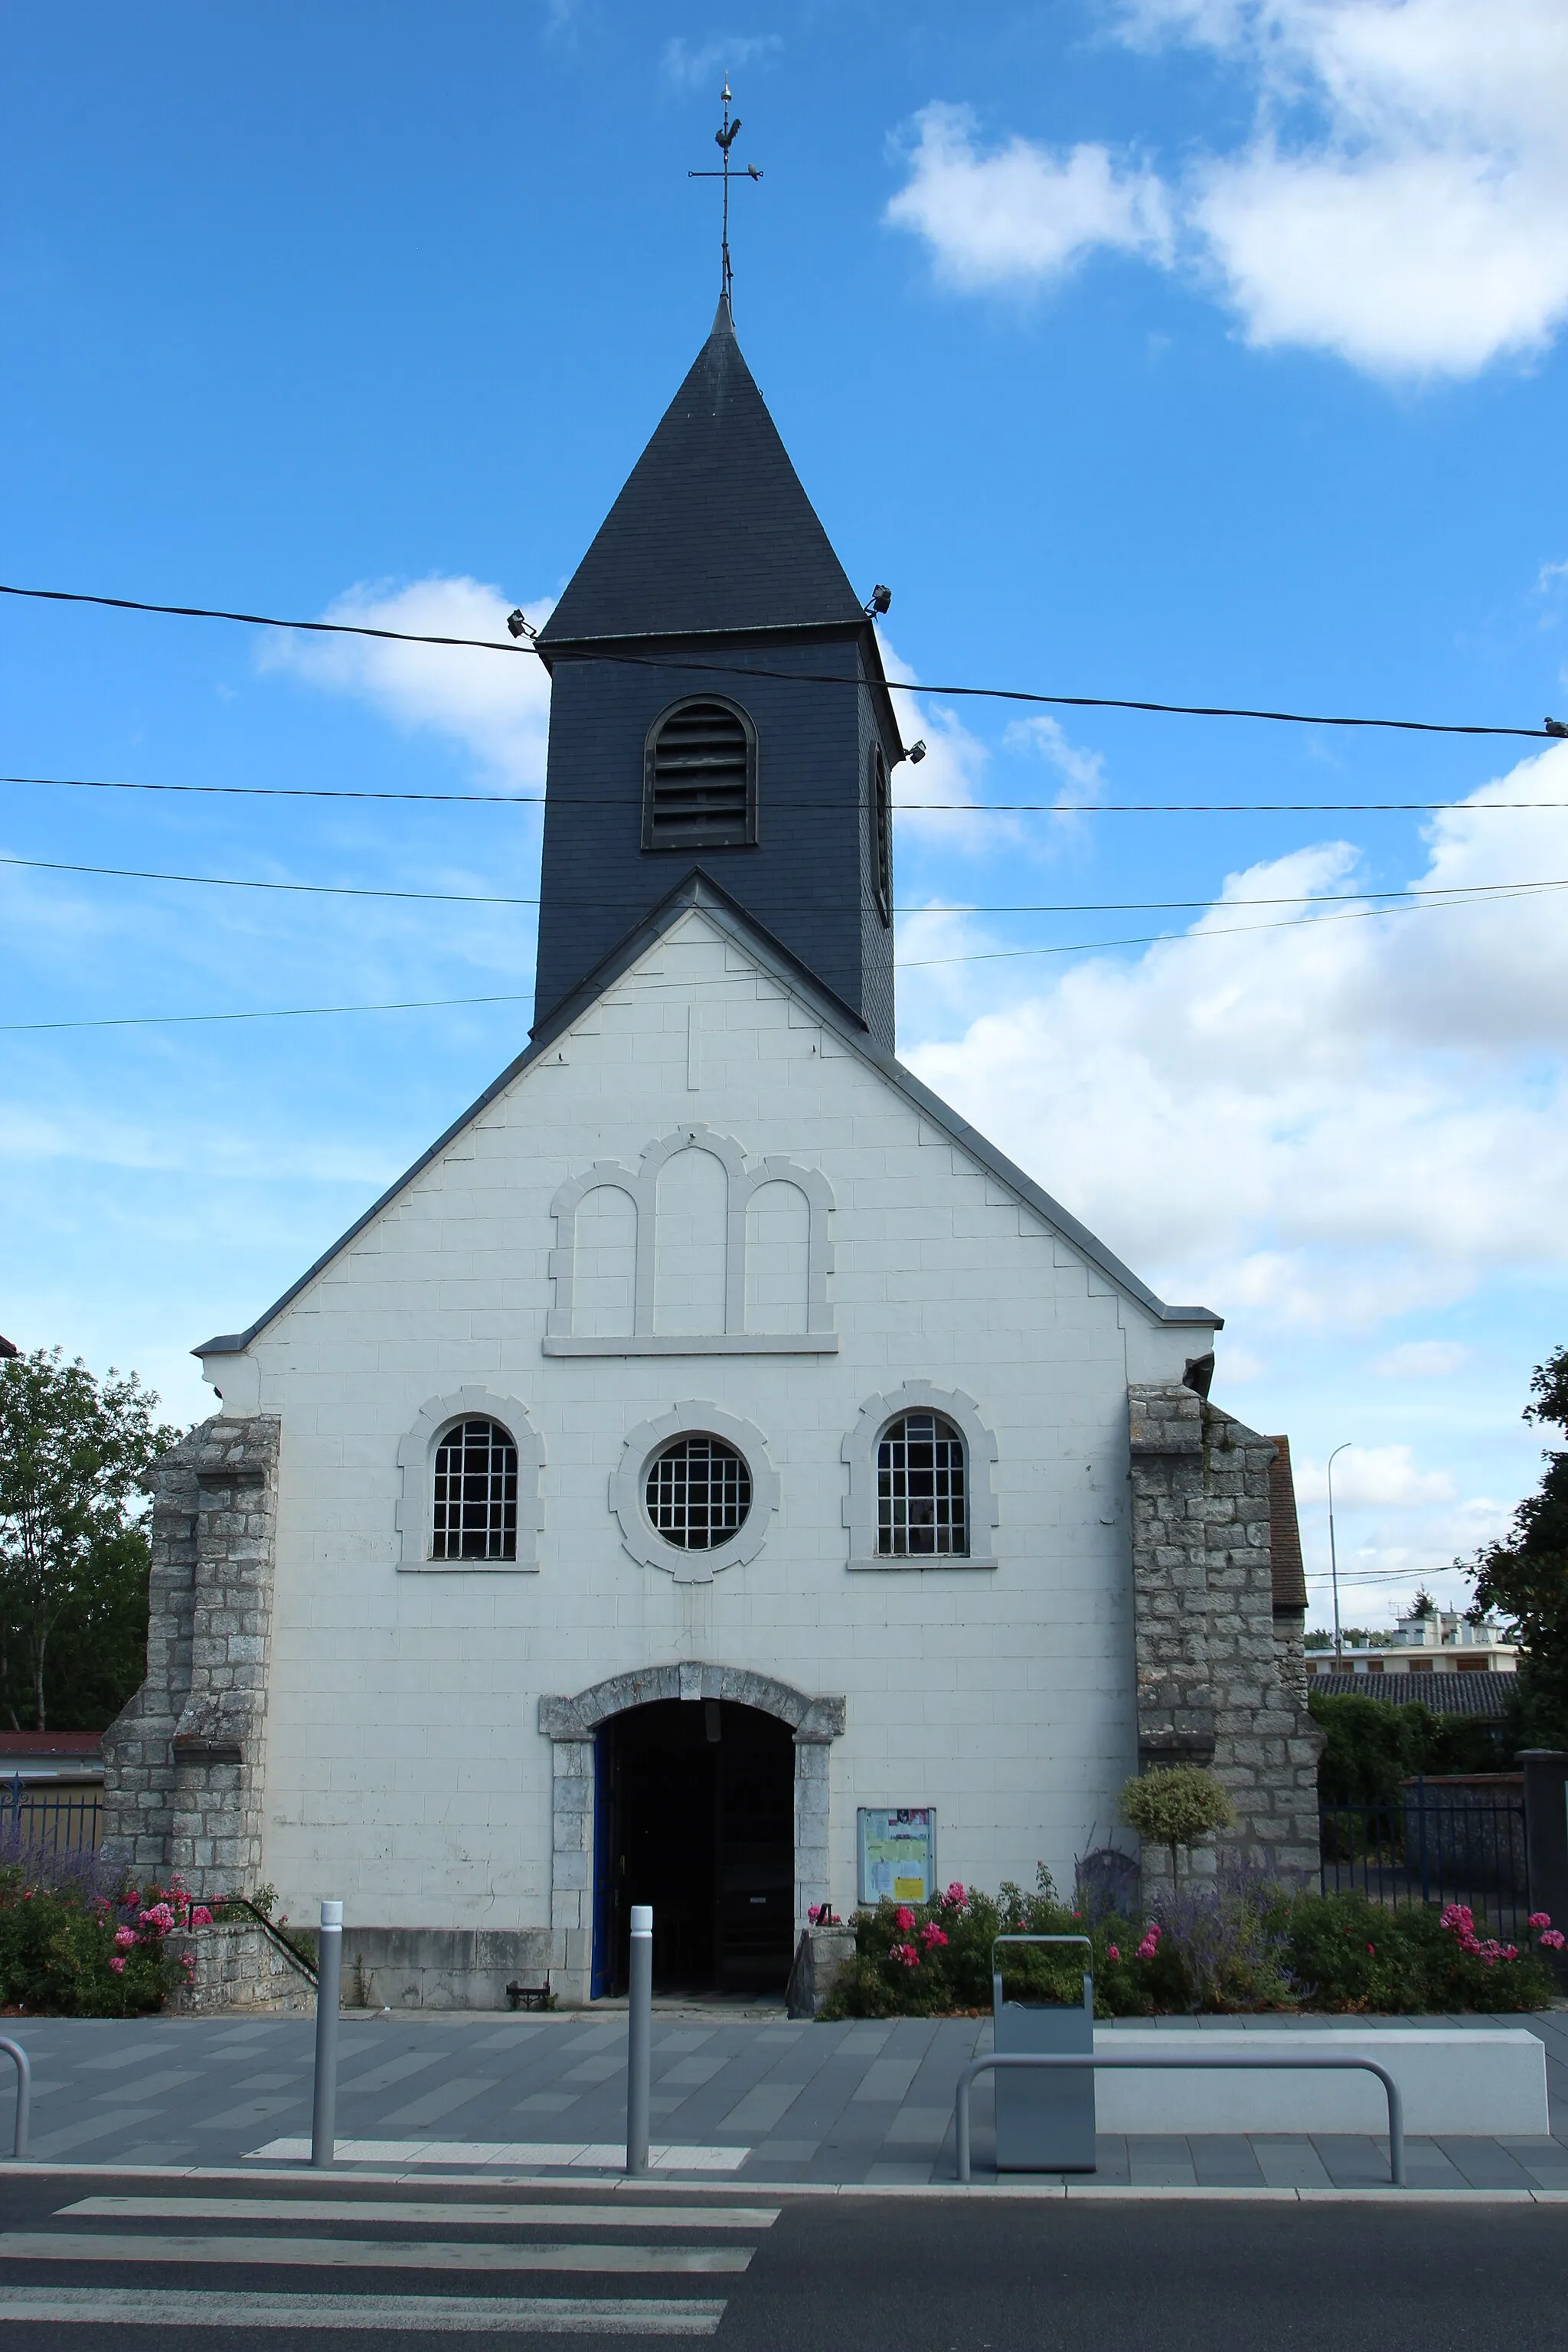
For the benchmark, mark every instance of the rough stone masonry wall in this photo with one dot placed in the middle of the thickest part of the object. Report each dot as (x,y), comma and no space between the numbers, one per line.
(185,1760)
(235,1966)
(1215,1683)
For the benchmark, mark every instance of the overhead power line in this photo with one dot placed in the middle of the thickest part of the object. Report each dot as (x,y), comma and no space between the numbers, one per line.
(707,667)
(951,808)
(914,963)
(1458,894)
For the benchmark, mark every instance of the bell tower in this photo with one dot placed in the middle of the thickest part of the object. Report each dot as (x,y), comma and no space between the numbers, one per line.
(719,704)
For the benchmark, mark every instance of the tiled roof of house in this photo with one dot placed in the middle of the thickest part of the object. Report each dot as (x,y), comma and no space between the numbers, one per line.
(50,1743)
(1290,1576)
(1485,1694)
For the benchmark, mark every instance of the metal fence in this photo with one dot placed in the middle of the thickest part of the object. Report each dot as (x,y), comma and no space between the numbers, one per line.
(48,1822)
(1432,1846)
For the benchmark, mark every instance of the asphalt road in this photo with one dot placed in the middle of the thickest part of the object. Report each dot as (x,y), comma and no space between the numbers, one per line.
(328,2262)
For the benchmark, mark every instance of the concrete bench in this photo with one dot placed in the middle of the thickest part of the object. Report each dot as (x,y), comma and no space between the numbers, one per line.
(1459,2082)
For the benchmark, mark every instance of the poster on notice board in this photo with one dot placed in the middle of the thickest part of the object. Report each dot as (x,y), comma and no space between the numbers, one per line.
(898,1853)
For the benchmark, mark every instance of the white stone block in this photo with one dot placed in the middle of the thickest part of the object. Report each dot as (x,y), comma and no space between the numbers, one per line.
(1453,2080)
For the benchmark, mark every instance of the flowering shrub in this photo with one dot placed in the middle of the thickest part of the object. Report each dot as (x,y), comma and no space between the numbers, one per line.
(68,1948)
(1243,1944)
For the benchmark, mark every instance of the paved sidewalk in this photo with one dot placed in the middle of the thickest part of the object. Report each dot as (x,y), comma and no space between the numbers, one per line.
(766,2101)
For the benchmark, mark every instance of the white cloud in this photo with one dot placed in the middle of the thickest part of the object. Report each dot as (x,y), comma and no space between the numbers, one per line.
(1422,1359)
(1401,199)
(1379,1477)
(691,67)
(950,772)
(1319,1125)
(496,704)
(1021,213)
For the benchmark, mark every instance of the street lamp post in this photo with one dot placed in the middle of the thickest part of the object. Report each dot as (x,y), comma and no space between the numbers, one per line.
(1333,1555)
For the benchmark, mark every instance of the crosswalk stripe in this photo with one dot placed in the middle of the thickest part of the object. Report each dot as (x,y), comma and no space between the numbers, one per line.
(466,2214)
(362,2254)
(460,2315)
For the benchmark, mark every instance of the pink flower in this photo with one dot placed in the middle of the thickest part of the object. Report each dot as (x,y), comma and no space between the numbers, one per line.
(1554,1939)
(123,1938)
(906,1954)
(1111,1953)
(954,1896)
(1459,1920)
(117,1963)
(932,1934)
(903,1918)
(160,1918)
(1541,1918)
(201,1917)
(1151,1944)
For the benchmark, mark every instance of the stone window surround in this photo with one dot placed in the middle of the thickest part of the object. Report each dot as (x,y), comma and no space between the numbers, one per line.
(641,1186)
(859,1507)
(696,1418)
(570,1724)
(417,1457)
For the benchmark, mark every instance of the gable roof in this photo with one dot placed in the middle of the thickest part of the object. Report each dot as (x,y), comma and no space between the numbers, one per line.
(700,892)
(713,531)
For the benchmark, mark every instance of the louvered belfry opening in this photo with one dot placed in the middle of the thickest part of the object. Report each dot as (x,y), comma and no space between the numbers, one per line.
(701,777)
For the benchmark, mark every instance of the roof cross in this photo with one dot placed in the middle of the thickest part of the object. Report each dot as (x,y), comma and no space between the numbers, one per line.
(724,140)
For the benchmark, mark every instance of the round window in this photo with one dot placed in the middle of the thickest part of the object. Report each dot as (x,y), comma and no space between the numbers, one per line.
(698,1493)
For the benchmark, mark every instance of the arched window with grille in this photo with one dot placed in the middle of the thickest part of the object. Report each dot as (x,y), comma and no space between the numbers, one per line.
(474,1494)
(923,1489)
(699,777)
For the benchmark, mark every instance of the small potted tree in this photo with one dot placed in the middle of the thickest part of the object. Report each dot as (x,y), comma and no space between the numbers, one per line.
(1176,1805)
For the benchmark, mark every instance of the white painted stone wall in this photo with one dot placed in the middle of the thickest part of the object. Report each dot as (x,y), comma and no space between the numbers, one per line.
(406,1771)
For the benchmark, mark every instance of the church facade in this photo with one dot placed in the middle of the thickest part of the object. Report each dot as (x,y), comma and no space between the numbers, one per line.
(713,1476)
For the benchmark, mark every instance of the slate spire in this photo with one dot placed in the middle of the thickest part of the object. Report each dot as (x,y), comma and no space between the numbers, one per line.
(713,531)
(712,611)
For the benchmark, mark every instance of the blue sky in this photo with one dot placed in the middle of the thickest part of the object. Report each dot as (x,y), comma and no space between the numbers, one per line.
(1200,350)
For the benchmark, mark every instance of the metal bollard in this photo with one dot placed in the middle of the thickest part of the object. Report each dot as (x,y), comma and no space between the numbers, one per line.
(329,1981)
(15,2051)
(639,2037)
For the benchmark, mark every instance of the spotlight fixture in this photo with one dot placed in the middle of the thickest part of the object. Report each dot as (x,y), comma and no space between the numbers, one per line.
(916,753)
(517,626)
(881,599)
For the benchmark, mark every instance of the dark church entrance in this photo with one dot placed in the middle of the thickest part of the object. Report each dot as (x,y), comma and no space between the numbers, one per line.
(694,1813)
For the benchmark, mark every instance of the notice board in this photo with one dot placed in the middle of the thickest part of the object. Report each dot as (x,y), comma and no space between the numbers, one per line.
(898,1853)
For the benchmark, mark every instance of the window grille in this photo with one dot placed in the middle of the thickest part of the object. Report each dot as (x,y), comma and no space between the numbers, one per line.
(699,788)
(881,835)
(698,1493)
(475,1494)
(922,1509)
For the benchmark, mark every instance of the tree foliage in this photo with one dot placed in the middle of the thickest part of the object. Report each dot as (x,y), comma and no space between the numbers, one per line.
(73,1552)
(1524,1579)
(1175,1805)
(1371,1747)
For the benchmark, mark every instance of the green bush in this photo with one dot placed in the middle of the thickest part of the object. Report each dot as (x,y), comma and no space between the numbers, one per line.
(68,1950)
(1243,1946)
(1371,1747)
(1176,1805)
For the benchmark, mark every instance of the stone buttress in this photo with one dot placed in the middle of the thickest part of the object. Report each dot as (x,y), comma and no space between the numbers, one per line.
(185,1760)
(1215,1681)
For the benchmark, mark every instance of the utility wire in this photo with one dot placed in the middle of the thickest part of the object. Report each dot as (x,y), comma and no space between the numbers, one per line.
(708,668)
(954,808)
(1458,894)
(917,964)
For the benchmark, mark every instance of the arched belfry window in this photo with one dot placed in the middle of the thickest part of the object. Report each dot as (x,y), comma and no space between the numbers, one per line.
(923,1499)
(699,777)
(880,814)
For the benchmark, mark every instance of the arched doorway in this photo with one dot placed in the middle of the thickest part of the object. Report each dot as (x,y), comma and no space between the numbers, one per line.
(694,1813)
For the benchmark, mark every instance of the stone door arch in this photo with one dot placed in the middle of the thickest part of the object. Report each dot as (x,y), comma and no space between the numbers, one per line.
(570,1724)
